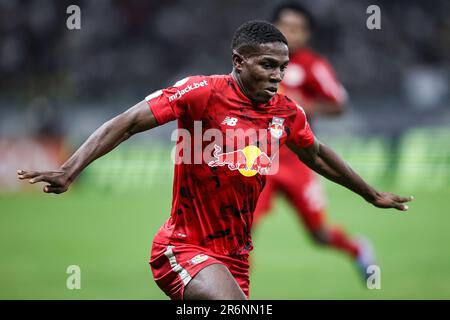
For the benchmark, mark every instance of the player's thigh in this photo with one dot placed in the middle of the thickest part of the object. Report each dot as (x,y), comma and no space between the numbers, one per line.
(214,282)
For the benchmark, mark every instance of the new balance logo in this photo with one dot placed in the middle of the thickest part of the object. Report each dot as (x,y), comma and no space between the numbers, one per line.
(230,121)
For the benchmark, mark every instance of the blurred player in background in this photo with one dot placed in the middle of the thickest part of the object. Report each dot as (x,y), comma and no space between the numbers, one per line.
(310,80)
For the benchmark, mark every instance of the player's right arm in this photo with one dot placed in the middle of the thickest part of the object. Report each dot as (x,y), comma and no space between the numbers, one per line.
(184,100)
(136,119)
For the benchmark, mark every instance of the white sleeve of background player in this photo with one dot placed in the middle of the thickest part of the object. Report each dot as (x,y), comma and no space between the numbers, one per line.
(327,82)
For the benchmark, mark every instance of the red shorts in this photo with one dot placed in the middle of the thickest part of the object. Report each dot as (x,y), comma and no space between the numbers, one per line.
(301,187)
(174,265)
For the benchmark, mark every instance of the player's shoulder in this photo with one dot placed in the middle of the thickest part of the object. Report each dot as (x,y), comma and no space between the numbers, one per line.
(215,80)
(283,102)
(220,80)
(191,79)
(292,110)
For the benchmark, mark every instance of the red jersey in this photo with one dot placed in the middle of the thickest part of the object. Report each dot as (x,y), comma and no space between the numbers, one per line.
(312,75)
(217,185)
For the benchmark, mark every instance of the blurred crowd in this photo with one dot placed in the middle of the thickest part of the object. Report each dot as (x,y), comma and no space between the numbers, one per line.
(126,48)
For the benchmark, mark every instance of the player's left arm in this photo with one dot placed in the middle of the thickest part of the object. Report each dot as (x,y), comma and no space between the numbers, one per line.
(107,137)
(327,163)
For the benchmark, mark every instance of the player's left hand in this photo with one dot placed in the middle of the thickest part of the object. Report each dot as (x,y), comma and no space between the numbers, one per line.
(390,200)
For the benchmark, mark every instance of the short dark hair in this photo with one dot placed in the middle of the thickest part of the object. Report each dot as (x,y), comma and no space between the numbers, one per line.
(296,7)
(256,32)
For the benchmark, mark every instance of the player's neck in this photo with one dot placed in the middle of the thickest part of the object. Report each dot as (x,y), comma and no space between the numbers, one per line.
(241,86)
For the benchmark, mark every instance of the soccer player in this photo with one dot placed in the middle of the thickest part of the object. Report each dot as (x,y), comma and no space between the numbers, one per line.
(309,79)
(201,251)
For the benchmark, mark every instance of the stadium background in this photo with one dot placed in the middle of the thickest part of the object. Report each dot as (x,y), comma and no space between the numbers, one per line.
(58,85)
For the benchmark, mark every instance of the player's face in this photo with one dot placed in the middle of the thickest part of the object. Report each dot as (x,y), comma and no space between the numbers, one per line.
(295,27)
(262,69)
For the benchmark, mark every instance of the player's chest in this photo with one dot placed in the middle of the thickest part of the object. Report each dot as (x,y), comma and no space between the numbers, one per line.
(242,124)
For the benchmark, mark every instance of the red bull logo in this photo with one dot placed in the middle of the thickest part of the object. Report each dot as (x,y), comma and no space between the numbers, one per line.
(276,127)
(249,161)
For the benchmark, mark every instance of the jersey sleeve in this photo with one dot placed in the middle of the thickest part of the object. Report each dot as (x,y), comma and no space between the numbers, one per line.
(325,82)
(186,99)
(301,134)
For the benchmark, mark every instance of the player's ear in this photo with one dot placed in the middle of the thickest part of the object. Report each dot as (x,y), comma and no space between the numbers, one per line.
(237,61)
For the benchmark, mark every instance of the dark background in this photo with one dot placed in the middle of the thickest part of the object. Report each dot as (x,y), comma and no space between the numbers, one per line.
(127,49)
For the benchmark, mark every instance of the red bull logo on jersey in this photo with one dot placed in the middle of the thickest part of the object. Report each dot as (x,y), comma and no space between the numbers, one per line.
(253,151)
(249,160)
(276,127)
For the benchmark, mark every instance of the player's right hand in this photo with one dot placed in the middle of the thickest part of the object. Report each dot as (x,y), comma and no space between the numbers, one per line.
(57,181)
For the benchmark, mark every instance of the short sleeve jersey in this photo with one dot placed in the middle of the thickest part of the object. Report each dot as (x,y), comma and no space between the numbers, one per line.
(226,145)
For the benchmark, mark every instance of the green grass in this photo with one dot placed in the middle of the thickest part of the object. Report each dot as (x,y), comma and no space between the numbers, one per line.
(108,234)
